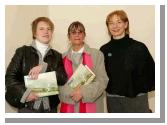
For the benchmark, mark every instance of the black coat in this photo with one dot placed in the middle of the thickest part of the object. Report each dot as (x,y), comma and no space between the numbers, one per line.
(129,66)
(25,58)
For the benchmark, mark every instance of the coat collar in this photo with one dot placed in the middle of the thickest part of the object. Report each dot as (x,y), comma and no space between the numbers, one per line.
(69,52)
(33,44)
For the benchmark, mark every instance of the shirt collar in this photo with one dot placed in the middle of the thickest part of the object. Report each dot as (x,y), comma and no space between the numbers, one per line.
(80,51)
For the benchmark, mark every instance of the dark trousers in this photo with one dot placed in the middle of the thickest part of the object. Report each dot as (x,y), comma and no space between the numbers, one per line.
(138,104)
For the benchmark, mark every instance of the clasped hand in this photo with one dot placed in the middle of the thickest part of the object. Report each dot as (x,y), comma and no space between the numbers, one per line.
(76,94)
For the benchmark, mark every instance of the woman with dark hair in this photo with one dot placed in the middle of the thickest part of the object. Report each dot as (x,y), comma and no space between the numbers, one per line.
(85,98)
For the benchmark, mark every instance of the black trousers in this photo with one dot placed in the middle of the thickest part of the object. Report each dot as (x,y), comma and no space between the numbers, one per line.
(138,104)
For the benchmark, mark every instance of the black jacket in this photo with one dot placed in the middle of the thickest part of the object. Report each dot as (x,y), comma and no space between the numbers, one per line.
(129,66)
(25,58)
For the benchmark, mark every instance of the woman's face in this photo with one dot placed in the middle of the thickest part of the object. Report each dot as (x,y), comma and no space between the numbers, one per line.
(43,32)
(76,37)
(117,27)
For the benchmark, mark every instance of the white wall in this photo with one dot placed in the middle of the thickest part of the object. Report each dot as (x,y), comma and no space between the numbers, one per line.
(93,17)
(18,30)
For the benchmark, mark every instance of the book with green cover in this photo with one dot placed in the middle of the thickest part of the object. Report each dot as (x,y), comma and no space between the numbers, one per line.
(83,75)
(45,85)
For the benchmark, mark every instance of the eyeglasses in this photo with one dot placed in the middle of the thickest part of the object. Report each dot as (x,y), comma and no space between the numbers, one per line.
(76,32)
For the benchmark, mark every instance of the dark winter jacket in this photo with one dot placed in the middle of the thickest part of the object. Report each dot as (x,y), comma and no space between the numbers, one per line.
(25,58)
(130,67)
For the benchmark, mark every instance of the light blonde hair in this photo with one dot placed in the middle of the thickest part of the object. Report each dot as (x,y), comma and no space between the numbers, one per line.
(123,16)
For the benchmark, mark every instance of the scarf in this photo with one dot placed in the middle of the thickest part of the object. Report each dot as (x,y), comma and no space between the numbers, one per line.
(83,107)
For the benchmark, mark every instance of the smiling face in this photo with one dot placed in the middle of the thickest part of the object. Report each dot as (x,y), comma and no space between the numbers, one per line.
(76,35)
(43,32)
(117,27)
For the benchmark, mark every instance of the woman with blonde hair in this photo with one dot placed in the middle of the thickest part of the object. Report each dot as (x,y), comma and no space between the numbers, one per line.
(130,68)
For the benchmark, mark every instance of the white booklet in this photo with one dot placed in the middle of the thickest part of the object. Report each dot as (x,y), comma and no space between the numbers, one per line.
(83,75)
(45,85)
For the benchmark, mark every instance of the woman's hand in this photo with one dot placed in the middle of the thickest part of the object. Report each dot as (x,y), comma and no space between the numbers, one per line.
(34,72)
(31,97)
(76,95)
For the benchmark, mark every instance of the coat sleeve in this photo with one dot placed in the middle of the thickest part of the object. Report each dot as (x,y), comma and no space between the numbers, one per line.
(95,89)
(14,82)
(65,89)
(64,94)
(144,68)
(56,65)
(60,73)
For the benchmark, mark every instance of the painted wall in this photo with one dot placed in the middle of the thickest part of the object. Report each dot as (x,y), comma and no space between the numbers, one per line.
(18,31)
(19,18)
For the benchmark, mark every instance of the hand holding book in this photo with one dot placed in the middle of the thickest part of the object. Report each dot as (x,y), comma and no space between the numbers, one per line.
(45,85)
(83,75)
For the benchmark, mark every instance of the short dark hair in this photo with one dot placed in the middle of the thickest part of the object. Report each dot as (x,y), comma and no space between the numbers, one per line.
(76,26)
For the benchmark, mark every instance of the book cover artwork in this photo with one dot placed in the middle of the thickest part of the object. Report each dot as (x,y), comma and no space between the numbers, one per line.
(45,85)
(82,76)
